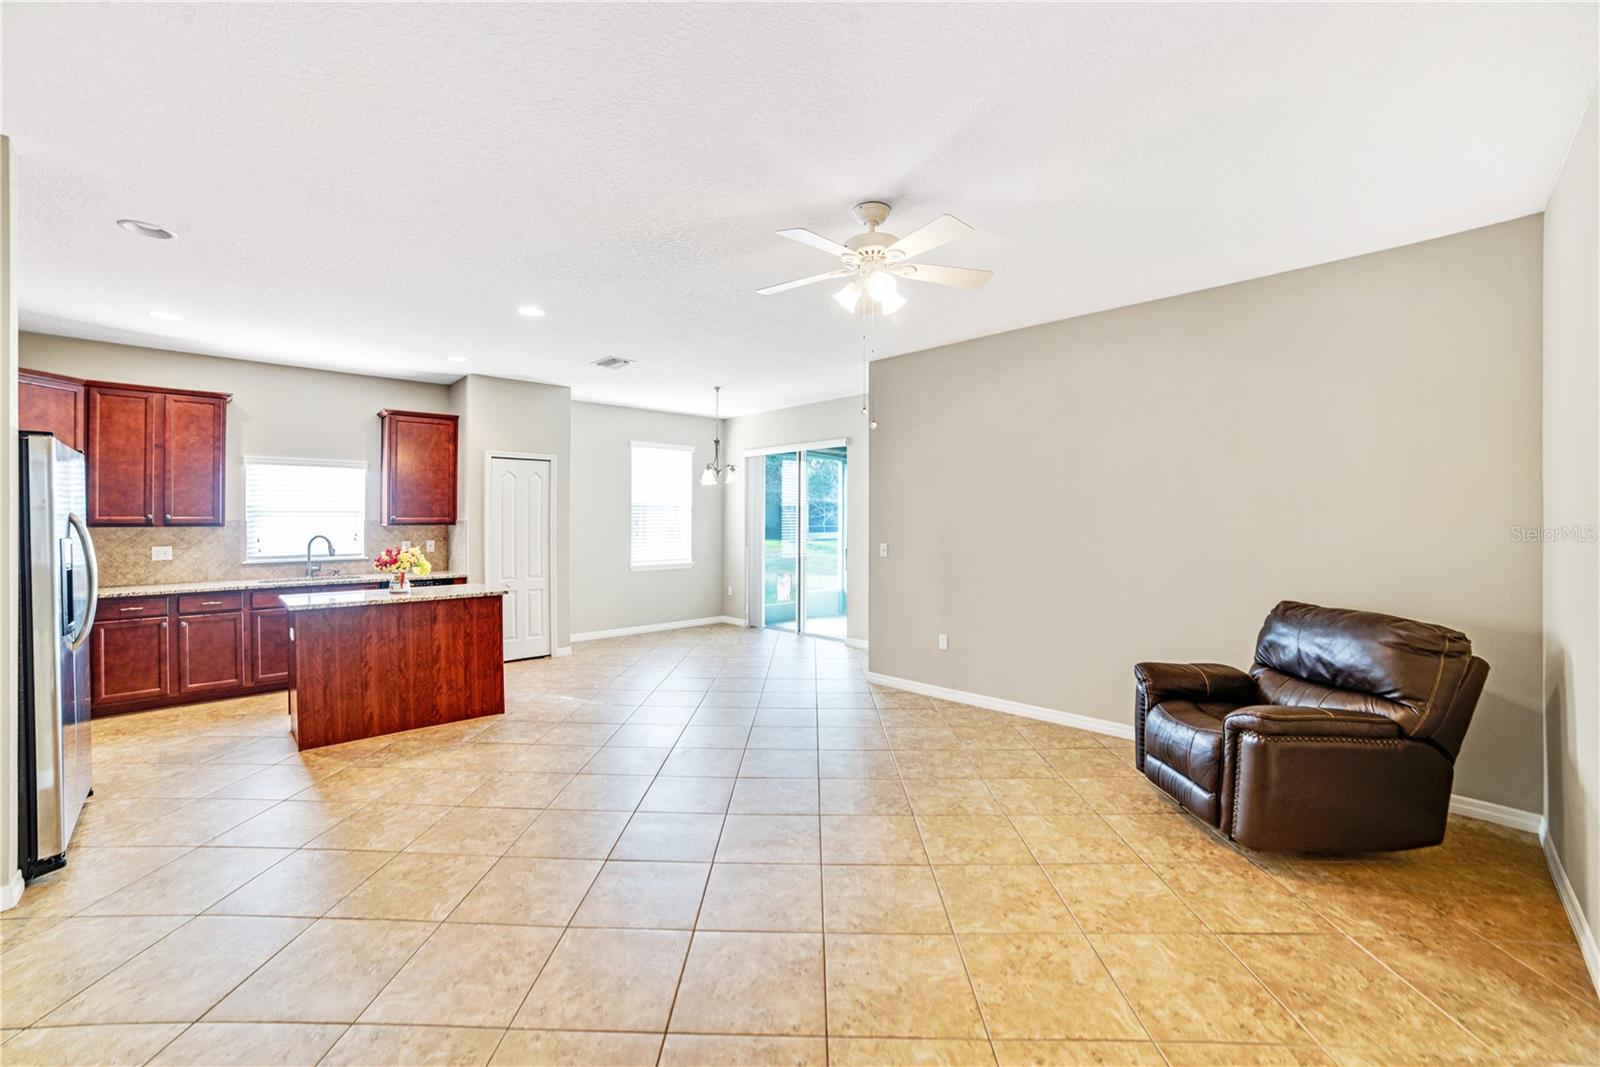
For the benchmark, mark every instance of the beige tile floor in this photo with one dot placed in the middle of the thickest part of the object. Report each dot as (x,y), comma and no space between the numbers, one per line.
(723,846)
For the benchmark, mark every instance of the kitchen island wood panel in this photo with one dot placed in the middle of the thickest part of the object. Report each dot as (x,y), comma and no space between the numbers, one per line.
(359,670)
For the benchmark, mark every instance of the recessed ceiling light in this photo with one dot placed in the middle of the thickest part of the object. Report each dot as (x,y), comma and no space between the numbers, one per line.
(612,363)
(531,312)
(455,359)
(170,316)
(145,229)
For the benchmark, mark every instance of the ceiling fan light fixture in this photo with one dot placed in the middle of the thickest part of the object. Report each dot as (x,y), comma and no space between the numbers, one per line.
(849,297)
(891,303)
(881,286)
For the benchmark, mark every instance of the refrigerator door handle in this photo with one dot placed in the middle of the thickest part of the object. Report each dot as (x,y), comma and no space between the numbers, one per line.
(93,567)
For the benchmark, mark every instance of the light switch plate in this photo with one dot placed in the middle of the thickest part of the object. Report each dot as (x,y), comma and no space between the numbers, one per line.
(430,546)
(160,551)
(883,550)
(944,642)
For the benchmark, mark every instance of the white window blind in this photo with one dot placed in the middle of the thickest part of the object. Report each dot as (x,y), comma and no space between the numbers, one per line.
(289,501)
(663,506)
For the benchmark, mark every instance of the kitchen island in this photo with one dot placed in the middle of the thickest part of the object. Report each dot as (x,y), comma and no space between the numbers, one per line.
(368,662)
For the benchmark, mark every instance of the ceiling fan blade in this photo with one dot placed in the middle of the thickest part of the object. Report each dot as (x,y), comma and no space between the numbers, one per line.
(941,231)
(815,240)
(769,290)
(960,277)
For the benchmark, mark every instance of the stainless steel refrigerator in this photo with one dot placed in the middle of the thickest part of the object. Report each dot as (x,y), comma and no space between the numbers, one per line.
(59,588)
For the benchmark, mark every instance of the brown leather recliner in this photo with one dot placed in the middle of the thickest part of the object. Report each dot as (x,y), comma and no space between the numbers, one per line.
(1342,738)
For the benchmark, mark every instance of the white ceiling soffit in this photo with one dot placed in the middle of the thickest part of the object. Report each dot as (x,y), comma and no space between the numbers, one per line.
(377,188)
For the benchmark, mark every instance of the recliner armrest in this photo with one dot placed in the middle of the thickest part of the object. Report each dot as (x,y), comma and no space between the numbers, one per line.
(1199,682)
(1273,720)
(1203,683)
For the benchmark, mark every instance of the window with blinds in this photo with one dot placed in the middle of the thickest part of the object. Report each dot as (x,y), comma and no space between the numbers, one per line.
(663,507)
(289,501)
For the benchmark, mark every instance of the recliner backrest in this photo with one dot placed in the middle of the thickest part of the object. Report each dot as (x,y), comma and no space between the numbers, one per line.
(1421,675)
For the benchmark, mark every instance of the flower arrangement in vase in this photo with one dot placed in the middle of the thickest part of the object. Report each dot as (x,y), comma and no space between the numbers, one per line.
(400,564)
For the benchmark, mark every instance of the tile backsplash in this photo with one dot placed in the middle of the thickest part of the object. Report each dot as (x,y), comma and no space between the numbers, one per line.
(216,553)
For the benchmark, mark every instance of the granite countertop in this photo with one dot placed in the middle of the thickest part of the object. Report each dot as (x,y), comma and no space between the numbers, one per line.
(172,589)
(367,598)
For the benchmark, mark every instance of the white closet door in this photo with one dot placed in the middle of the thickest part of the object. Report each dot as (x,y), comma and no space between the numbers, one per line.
(519,551)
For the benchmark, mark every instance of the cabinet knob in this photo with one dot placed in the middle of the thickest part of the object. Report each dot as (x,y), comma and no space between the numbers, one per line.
(149,517)
(167,517)
(184,624)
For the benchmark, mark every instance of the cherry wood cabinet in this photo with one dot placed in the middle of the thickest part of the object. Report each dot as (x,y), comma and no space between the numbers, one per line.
(418,485)
(269,647)
(124,436)
(193,451)
(129,662)
(210,652)
(154,651)
(51,403)
(156,457)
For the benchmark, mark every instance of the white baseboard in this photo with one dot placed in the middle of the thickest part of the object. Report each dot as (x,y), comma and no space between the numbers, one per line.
(1030,711)
(11,892)
(564,650)
(655,627)
(1515,818)
(1569,900)
(855,642)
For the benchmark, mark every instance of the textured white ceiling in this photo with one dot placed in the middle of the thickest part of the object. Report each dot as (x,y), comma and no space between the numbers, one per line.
(378,187)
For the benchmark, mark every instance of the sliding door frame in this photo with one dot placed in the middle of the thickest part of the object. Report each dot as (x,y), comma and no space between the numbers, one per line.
(755,505)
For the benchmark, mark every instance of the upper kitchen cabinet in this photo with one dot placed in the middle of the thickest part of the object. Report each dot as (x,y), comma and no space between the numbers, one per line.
(155,456)
(51,403)
(419,468)
(194,445)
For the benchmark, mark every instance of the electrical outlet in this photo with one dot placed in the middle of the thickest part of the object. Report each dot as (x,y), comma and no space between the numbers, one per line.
(405,545)
(883,550)
(944,642)
(430,546)
(160,551)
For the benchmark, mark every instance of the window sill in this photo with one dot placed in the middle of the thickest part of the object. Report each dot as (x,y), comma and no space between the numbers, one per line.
(661,566)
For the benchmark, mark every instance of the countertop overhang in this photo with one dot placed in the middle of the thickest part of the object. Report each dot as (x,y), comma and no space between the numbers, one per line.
(230,585)
(369,598)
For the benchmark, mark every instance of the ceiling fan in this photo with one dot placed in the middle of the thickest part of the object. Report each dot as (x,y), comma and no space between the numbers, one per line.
(874,261)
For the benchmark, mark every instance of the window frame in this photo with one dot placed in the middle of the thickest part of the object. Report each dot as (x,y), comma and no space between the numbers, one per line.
(301,461)
(673,565)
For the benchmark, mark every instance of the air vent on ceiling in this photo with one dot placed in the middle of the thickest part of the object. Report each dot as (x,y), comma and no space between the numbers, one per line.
(613,363)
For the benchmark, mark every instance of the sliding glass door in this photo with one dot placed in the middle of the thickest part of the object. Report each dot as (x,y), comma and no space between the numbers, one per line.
(802,540)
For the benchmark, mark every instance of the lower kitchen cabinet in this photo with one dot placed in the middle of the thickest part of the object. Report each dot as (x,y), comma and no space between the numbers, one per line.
(153,651)
(210,652)
(129,662)
(269,647)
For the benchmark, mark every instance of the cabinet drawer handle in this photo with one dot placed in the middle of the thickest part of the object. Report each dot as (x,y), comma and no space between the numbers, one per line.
(130,609)
(210,603)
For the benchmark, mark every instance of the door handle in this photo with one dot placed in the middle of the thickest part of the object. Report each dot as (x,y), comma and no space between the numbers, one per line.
(92,565)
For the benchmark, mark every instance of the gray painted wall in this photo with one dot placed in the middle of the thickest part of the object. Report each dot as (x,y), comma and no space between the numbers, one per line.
(606,593)
(1145,483)
(807,424)
(1572,498)
(502,415)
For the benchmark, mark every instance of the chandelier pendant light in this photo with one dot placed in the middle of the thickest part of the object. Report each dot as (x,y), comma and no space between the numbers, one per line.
(717,471)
